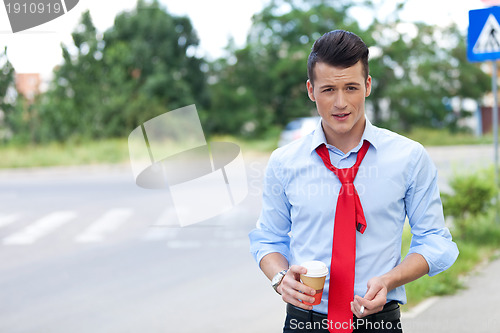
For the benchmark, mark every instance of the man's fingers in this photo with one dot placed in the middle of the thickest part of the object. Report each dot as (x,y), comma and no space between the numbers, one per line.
(297,299)
(296,269)
(292,295)
(371,293)
(292,280)
(365,307)
(297,303)
(296,285)
(358,309)
(295,292)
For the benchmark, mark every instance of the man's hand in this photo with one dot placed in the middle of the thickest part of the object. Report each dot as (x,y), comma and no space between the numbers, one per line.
(374,300)
(411,268)
(292,290)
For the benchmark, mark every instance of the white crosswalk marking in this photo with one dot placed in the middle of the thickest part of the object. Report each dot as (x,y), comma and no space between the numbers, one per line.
(165,228)
(105,225)
(8,219)
(40,228)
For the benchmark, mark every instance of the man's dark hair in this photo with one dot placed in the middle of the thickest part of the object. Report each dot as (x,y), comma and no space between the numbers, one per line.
(338,48)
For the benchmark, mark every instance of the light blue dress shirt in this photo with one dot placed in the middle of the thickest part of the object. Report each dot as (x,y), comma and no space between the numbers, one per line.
(396,179)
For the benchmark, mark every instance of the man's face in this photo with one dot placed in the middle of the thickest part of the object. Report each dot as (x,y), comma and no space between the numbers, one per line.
(340,94)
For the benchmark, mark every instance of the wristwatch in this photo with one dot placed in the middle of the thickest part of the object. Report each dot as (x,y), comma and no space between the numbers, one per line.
(275,282)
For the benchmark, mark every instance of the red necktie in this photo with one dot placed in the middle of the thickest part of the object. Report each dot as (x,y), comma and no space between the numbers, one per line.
(349,217)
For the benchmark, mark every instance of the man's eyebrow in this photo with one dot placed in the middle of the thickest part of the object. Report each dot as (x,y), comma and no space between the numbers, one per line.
(328,85)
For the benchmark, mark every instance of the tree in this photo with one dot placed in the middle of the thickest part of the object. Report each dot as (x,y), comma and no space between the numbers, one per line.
(156,51)
(263,84)
(417,69)
(71,107)
(110,83)
(11,120)
(418,72)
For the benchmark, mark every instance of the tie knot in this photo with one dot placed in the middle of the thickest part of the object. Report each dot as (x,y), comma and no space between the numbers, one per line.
(347,175)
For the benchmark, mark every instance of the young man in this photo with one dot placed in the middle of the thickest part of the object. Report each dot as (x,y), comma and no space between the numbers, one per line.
(341,196)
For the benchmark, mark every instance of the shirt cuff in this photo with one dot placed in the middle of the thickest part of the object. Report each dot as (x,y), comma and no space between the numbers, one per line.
(439,252)
(260,246)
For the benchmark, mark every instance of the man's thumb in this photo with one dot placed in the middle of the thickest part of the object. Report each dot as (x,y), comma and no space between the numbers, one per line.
(370,293)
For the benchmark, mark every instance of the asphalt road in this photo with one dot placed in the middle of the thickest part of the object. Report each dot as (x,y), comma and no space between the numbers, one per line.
(83,249)
(471,310)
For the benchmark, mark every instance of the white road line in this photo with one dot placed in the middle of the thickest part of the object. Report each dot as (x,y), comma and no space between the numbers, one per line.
(165,228)
(421,307)
(40,228)
(8,219)
(186,244)
(158,233)
(105,225)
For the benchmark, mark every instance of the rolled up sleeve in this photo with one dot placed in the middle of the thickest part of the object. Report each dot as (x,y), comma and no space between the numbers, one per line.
(430,237)
(274,223)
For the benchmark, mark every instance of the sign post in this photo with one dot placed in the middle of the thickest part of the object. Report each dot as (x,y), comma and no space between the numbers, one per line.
(483,43)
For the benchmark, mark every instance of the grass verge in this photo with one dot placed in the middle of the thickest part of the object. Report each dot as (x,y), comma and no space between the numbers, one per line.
(116,150)
(109,151)
(443,137)
(477,245)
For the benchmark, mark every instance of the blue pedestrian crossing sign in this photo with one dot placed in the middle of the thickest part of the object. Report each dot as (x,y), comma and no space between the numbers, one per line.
(483,38)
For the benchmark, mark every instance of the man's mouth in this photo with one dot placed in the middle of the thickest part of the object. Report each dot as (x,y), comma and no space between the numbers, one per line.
(341,115)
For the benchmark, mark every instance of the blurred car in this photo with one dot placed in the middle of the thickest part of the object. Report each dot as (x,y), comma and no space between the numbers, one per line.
(297,128)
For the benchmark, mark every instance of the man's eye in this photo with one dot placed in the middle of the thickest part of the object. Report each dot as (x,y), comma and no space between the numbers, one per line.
(328,90)
(352,88)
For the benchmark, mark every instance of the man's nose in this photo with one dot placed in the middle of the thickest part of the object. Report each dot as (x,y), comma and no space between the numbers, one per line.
(340,101)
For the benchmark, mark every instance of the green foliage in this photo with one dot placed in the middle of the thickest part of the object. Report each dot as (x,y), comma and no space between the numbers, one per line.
(418,71)
(7,107)
(263,84)
(473,195)
(70,152)
(445,137)
(480,245)
(474,229)
(145,65)
(110,83)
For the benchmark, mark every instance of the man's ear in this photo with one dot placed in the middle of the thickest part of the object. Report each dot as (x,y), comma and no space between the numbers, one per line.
(368,86)
(310,90)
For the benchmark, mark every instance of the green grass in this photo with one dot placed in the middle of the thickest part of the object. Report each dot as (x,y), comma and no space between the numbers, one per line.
(109,151)
(116,150)
(479,244)
(443,137)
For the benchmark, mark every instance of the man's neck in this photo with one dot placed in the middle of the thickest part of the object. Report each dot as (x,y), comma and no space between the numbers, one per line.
(346,142)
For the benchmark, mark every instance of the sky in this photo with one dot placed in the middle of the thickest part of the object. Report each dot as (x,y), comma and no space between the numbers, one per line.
(38,50)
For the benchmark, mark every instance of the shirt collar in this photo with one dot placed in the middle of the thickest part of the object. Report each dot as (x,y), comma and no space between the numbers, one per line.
(369,134)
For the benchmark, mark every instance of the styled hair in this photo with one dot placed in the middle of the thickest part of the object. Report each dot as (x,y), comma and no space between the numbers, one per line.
(338,48)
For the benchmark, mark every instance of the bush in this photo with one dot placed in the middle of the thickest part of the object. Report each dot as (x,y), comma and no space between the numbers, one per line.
(473,195)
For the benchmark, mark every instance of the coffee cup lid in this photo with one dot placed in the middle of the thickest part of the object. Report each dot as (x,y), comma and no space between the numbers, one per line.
(315,268)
